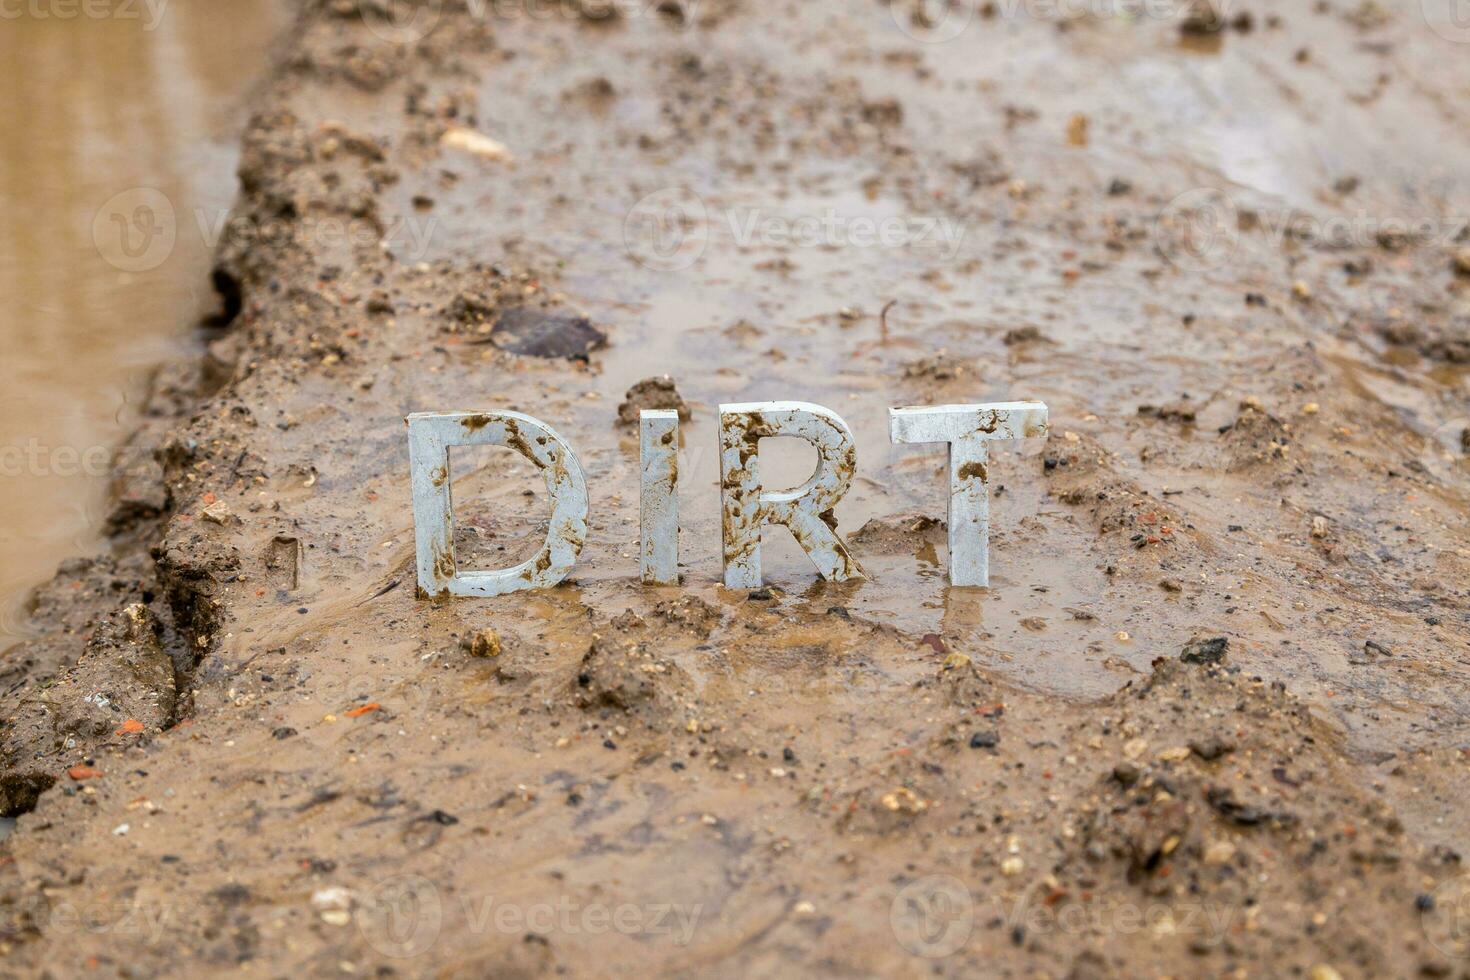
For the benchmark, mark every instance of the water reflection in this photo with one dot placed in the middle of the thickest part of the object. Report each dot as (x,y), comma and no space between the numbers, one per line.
(99,108)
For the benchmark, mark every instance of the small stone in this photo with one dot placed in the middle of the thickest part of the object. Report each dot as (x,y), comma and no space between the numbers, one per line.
(1202,20)
(483,643)
(1324,972)
(1219,852)
(476,144)
(1022,335)
(1210,748)
(1319,526)
(652,394)
(540,333)
(1126,773)
(1301,290)
(984,740)
(1211,651)
(1012,866)
(1462,262)
(217,513)
(1135,748)
(905,799)
(1077,130)
(1375,649)
(332,903)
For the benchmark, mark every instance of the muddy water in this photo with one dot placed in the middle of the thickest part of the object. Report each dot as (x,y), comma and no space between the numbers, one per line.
(117,146)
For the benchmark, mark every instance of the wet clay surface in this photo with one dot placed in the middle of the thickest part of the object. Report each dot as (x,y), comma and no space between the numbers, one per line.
(1209,718)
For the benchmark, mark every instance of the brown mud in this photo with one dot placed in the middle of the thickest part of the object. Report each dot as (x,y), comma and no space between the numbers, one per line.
(1209,720)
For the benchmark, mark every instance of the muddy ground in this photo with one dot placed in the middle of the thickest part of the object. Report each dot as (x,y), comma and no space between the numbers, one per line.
(1208,720)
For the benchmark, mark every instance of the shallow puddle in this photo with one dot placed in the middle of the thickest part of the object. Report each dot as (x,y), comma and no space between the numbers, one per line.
(117,158)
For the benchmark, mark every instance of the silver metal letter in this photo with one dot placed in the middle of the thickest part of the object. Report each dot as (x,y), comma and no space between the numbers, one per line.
(967,429)
(658,459)
(430,436)
(806,511)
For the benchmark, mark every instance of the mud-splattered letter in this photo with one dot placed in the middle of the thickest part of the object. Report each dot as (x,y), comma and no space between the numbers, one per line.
(430,436)
(806,511)
(658,460)
(967,429)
